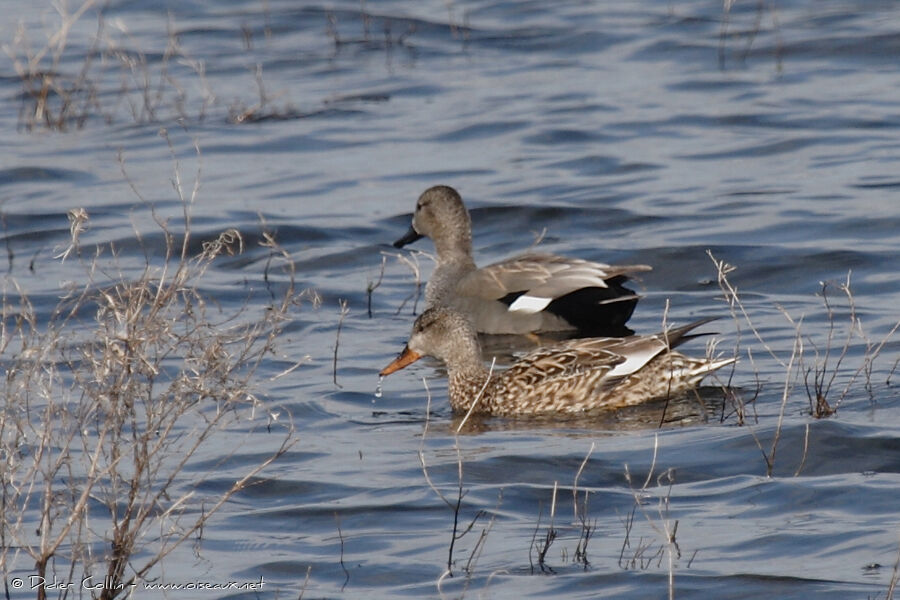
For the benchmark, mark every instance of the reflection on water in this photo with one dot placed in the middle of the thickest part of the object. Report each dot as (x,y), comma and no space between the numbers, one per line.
(616,133)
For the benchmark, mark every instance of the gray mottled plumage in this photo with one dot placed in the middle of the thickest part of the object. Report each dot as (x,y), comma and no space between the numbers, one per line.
(517,295)
(571,377)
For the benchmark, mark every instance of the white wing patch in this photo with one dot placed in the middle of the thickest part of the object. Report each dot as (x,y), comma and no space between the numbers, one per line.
(529,304)
(635,361)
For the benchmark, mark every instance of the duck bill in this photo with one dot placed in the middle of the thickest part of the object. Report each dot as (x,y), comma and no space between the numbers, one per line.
(407,357)
(411,236)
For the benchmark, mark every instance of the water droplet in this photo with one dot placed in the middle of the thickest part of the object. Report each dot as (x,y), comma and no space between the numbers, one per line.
(378,389)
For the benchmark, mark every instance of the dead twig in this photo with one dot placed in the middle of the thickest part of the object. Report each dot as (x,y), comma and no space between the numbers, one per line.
(372,286)
(337,341)
(114,395)
(337,518)
(411,260)
(543,546)
(661,523)
(478,396)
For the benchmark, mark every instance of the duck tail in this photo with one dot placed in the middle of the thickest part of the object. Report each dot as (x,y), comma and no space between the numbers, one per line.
(675,336)
(691,371)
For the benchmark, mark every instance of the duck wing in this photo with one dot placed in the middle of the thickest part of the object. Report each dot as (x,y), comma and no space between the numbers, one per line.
(596,363)
(529,283)
(555,372)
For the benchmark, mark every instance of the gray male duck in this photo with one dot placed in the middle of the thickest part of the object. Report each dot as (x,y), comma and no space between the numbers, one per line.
(531,293)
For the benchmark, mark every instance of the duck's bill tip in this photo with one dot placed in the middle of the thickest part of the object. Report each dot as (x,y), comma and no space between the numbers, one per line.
(407,357)
(411,236)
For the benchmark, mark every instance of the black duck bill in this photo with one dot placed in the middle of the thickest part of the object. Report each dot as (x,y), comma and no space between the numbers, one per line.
(411,236)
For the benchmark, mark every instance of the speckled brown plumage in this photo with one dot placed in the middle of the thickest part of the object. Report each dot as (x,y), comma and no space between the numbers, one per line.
(571,377)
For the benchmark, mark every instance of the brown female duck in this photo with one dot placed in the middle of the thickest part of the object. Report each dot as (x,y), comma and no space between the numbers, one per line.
(572,377)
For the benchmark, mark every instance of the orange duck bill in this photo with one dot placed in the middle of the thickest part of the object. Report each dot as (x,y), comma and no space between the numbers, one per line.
(406,358)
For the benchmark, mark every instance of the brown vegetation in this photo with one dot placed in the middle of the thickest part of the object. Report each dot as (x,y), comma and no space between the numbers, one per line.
(109,399)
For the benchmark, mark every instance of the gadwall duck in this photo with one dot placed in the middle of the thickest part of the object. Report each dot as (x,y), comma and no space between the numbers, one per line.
(532,293)
(575,376)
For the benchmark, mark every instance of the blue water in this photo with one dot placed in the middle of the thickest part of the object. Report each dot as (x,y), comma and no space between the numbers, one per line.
(636,133)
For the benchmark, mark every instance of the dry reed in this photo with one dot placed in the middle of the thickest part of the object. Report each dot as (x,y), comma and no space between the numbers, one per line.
(111,397)
(818,364)
(70,75)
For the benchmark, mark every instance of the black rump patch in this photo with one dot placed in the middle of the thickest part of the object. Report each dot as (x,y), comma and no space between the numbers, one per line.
(589,309)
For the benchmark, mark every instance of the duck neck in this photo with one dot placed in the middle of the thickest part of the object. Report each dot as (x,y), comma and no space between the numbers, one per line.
(454,247)
(447,274)
(468,381)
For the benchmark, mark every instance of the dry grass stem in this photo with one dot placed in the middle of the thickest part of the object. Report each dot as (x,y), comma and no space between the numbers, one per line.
(371,286)
(538,239)
(542,546)
(478,549)
(109,399)
(735,306)
(411,260)
(823,376)
(337,340)
(642,553)
(458,530)
(785,394)
(478,396)
(262,110)
(76,75)
(890,374)
(821,369)
(581,513)
(828,362)
(805,452)
(895,577)
(292,368)
(665,332)
(387,43)
(78,217)
(575,483)
(873,351)
(749,32)
(337,518)
(305,582)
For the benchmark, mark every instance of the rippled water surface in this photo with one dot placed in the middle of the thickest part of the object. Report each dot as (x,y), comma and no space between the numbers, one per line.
(650,132)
